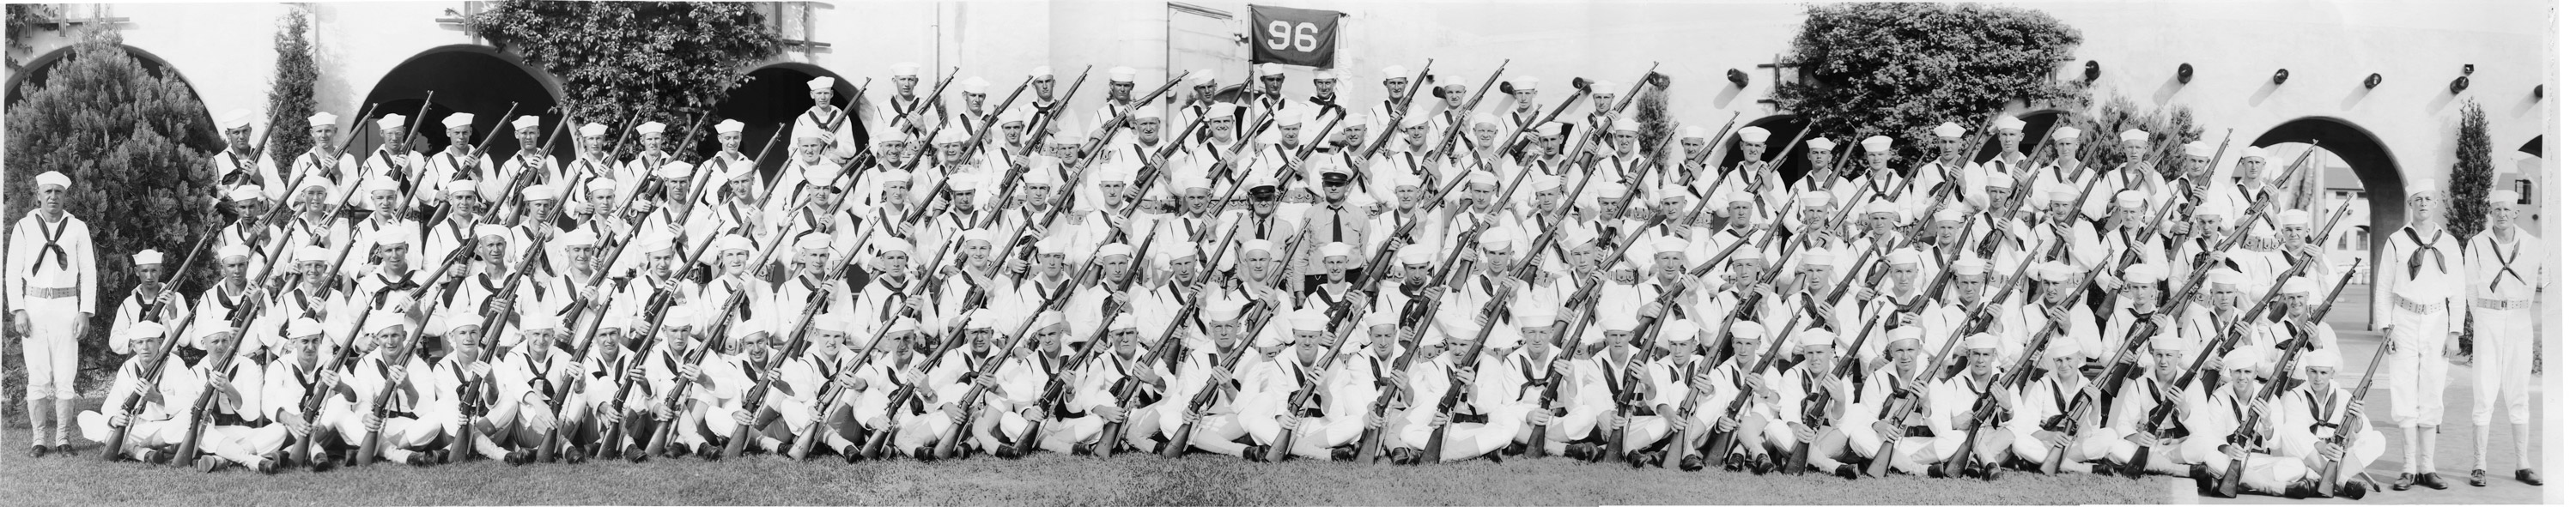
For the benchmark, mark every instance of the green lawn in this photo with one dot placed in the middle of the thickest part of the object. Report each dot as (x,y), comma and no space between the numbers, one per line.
(1131,479)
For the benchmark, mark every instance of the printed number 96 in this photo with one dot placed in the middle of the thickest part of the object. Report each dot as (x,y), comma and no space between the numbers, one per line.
(1282,35)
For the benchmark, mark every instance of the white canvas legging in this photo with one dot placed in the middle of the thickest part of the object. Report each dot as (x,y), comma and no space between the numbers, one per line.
(2503,365)
(2416,371)
(51,349)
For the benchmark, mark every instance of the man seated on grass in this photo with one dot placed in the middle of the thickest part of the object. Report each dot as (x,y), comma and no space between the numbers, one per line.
(156,398)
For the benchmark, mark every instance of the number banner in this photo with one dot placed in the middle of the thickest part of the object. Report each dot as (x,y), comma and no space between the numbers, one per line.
(1294,36)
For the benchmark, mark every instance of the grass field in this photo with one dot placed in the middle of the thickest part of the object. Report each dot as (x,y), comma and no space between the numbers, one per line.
(1044,480)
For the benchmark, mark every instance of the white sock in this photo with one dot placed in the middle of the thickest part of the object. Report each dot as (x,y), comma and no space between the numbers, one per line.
(2414,448)
(2522,446)
(2432,436)
(2480,450)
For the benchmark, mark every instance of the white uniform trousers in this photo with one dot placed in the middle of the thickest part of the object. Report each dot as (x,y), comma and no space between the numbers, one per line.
(2503,351)
(2416,370)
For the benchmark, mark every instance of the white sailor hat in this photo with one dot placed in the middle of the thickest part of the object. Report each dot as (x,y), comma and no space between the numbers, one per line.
(578,237)
(2247,358)
(1816,337)
(234,119)
(1877,206)
(1820,143)
(1671,244)
(2065,134)
(2166,341)
(729,126)
(2056,271)
(57,179)
(147,257)
(594,130)
(674,170)
(2142,274)
(458,120)
(538,192)
(2253,152)
(1985,341)
(650,128)
(905,69)
(826,82)
(1814,198)
(2060,192)
(1495,239)
(1123,74)
(1680,330)
(2133,135)
(1949,130)
(1694,132)
(1746,329)
(1415,253)
(312,253)
(1968,266)
(2130,198)
(454,187)
(1334,249)
(491,231)
(531,122)
(2321,359)
(2198,149)
(1876,144)
(2422,185)
(1816,257)
(1394,72)
(391,122)
(1042,71)
(231,251)
(975,84)
(1904,257)
(322,120)
(1753,134)
(2060,349)
(2008,122)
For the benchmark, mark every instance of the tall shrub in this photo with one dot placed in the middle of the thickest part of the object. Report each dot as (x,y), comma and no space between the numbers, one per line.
(290,92)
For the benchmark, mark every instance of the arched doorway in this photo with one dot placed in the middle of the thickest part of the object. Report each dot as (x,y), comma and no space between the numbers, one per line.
(770,100)
(38,68)
(1782,127)
(471,79)
(2373,176)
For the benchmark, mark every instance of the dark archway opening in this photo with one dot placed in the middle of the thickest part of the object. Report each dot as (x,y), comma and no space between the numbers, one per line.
(770,101)
(2382,181)
(2532,147)
(1782,127)
(469,79)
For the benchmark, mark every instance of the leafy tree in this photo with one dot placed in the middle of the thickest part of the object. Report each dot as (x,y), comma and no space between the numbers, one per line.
(1899,69)
(668,60)
(2473,175)
(135,145)
(290,93)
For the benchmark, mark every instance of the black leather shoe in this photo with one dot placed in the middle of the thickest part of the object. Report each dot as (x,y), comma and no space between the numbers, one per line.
(1496,457)
(2478,477)
(37,451)
(1407,456)
(2303,489)
(1580,451)
(2404,481)
(210,463)
(2432,480)
(1761,464)
(65,449)
(270,466)
(2527,476)
(576,457)
(153,456)
(323,462)
(1731,463)
(925,454)
(1345,453)
(1255,452)
(635,454)
(1990,471)
(1693,463)
(2352,489)
(1638,459)
(1847,471)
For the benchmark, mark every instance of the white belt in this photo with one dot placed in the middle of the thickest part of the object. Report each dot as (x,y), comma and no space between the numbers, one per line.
(2503,304)
(2413,306)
